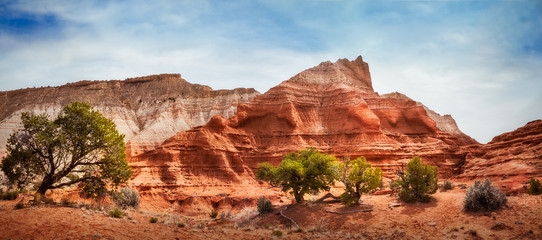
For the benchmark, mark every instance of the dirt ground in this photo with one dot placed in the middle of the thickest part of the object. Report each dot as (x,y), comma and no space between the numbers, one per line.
(442,218)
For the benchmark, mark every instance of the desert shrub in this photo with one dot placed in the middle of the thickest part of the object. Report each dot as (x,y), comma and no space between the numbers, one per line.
(213,213)
(10,195)
(301,172)
(264,205)
(126,197)
(19,206)
(535,188)
(153,220)
(483,196)
(447,185)
(277,233)
(117,213)
(181,225)
(417,181)
(358,177)
(67,203)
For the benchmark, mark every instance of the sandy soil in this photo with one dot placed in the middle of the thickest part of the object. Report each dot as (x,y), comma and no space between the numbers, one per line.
(440,219)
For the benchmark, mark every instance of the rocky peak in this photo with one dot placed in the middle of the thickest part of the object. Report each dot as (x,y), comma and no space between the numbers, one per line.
(343,71)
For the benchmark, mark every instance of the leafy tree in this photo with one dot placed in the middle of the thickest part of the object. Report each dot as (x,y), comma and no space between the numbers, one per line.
(359,177)
(80,146)
(418,181)
(302,172)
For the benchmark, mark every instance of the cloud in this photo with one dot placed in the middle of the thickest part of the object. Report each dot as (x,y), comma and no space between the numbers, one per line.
(479,61)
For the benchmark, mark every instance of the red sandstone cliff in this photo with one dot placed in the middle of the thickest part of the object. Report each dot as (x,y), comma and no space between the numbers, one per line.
(510,159)
(147,110)
(332,107)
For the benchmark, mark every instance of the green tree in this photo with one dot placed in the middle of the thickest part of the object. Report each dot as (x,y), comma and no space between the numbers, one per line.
(302,172)
(418,181)
(80,146)
(359,177)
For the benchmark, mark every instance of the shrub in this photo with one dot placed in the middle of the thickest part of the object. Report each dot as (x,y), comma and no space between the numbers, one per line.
(116,213)
(11,195)
(301,172)
(153,220)
(180,225)
(264,205)
(19,206)
(447,185)
(213,213)
(417,181)
(535,188)
(358,177)
(67,203)
(127,197)
(483,196)
(277,233)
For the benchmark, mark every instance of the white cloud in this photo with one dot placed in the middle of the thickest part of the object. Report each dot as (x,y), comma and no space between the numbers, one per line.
(464,61)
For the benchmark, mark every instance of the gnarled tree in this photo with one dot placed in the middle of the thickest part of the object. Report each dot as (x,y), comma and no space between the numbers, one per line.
(302,172)
(359,177)
(80,146)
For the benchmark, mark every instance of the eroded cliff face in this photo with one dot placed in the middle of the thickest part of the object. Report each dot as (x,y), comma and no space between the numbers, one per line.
(332,107)
(509,160)
(147,110)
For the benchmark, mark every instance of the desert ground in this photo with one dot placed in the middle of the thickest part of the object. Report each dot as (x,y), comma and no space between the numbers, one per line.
(442,218)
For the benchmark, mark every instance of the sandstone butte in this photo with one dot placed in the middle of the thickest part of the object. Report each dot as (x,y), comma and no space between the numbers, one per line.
(332,107)
(187,140)
(147,110)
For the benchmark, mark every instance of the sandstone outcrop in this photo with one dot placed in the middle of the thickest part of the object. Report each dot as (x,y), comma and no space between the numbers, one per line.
(332,107)
(147,110)
(509,160)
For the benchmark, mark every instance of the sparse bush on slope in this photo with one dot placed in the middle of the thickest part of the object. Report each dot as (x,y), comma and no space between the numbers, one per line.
(127,197)
(264,205)
(535,188)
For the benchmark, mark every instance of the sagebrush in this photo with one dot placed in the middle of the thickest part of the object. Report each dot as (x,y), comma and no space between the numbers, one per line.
(127,197)
(483,196)
(264,205)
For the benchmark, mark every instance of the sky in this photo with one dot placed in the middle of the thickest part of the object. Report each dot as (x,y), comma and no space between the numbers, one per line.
(480,61)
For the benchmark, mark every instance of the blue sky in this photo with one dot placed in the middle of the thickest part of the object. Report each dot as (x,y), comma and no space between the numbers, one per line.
(480,61)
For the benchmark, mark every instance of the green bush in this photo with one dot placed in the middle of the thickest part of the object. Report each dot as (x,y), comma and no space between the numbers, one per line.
(301,172)
(127,197)
(10,195)
(417,181)
(277,233)
(213,213)
(535,188)
(153,220)
(264,205)
(447,185)
(483,196)
(117,213)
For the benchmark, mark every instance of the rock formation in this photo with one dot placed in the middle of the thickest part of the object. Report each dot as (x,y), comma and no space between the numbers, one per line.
(332,107)
(147,110)
(509,160)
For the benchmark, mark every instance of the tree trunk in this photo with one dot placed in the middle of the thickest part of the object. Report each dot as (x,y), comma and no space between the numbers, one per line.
(45,185)
(298,197)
